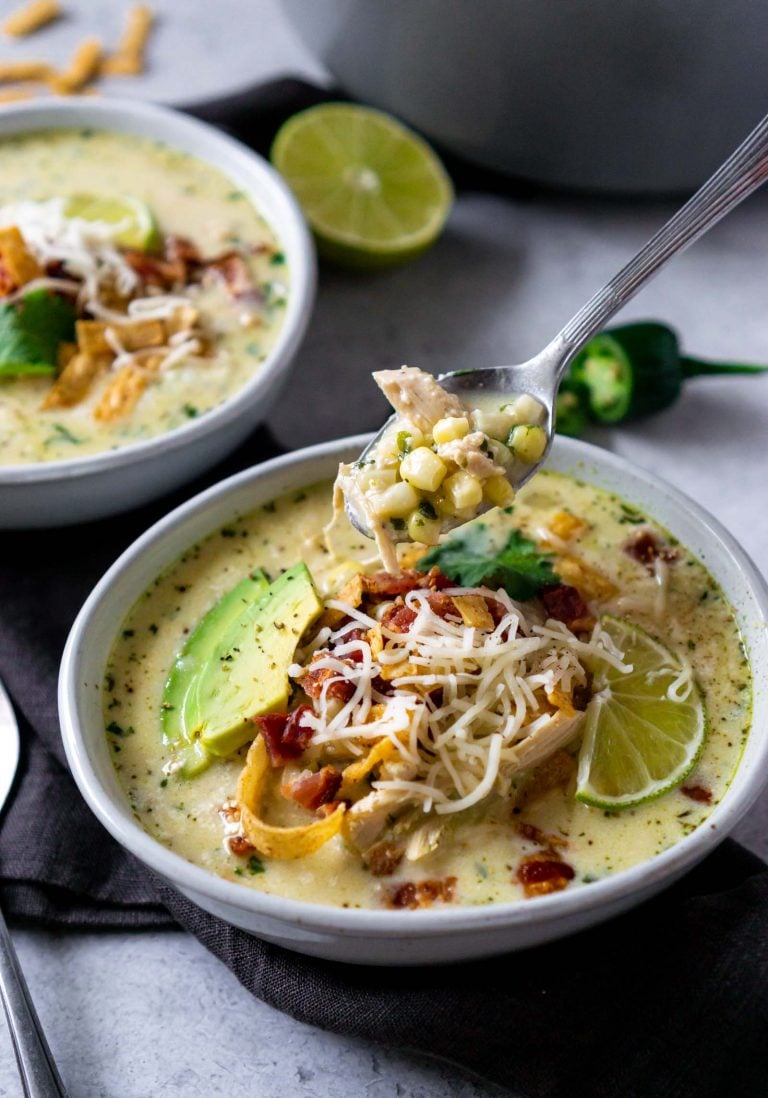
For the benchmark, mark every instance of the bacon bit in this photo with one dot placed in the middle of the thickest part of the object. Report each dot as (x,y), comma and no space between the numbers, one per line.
(155,271)
(229,812)
(422,893)
(384,858)
(541,838)
(565,604)
(646,549)
(240,847)
(354,635)
(311,790)
(698,793)
(399,618)
(581,695)
(179,249)
(442,605)
(232,269)
(542,873)
(312,681)
(285,737)
(388,584)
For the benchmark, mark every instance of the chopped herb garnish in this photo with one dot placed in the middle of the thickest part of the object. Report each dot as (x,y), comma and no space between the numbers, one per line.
(31,331)
(252,349)
(255,865)
(270,507)
(190,411)
(277,259)
(118,730)
(427,510)
(163,783)
(404,442)
(630,515)
(475,557)
(235,196)
(299,497)
(228,532)
(62,434)
(153,628)
(397,523)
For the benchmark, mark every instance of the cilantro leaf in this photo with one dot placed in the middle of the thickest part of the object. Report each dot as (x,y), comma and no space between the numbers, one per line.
(477,555)
(31,331)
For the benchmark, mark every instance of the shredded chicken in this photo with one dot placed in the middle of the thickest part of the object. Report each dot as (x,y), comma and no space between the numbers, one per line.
(417,396)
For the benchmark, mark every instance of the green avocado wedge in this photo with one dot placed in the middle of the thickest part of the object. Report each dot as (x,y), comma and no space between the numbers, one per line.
(179,709)
(235,666)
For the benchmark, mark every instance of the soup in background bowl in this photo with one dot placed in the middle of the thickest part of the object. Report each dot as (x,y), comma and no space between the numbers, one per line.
(487,913)
(171,274)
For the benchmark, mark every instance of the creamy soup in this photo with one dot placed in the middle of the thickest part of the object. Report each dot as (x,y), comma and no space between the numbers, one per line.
(481,849)
(233,328)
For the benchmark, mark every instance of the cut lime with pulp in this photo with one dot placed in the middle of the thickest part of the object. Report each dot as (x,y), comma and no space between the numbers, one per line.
(644,729)
(138,228)
(373,192)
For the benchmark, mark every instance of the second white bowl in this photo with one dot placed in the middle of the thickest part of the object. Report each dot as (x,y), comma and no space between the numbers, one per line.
(66,492)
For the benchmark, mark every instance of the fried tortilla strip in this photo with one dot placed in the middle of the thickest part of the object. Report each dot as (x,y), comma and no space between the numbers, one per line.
(128,58)
(182,319)
(384,750)
(75,381)
(17,264)
(565,526)
(12,72)
(65,352)
(474,611)
(590,583)
(134,335)
(15,95)
(122,394)
(270,841)
(31,17)
(82,67)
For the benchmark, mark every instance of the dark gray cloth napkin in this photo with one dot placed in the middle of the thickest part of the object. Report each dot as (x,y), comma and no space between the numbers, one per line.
(669,1001)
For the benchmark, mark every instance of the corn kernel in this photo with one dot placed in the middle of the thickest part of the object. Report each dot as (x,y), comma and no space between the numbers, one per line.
(528,443)
(494,424)
(423,529)
(499,491)
(446,430)
(501,454)
(463,490)
(525,409)
(423,469)
(374,479)
(395,502)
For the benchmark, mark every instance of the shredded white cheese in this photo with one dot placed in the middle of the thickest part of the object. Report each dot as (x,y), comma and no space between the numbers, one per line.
(465,700)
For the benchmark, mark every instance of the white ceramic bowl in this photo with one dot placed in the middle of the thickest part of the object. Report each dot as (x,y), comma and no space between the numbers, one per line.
(394,937)
(65,492)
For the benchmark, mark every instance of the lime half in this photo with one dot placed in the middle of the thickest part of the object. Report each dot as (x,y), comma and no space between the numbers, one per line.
(137,226)
(374,193)
(644,730)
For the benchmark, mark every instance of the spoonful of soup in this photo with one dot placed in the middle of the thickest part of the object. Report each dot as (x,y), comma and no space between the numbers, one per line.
(464,442)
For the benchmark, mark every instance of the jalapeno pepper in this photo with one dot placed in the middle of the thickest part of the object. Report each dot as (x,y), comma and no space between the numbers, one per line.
(637,369)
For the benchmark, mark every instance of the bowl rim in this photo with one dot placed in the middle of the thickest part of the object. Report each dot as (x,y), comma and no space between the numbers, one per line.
(386,924)
(255,175)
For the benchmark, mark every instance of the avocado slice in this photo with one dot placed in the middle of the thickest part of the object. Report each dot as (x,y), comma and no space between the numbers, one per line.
(179,712)
(246,671)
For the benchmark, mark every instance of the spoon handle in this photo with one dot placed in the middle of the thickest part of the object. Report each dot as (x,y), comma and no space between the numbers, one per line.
(742,173)
(37,1069)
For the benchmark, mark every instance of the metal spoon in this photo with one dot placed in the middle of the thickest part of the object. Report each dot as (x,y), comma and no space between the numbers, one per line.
(741,174)
(39,1077)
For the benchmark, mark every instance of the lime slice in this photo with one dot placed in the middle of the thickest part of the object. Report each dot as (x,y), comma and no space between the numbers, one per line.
(638,741)
(138,228)
(374,193)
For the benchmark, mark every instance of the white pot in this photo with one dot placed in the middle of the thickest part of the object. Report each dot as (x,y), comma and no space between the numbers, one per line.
(396,937)
(64,492)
